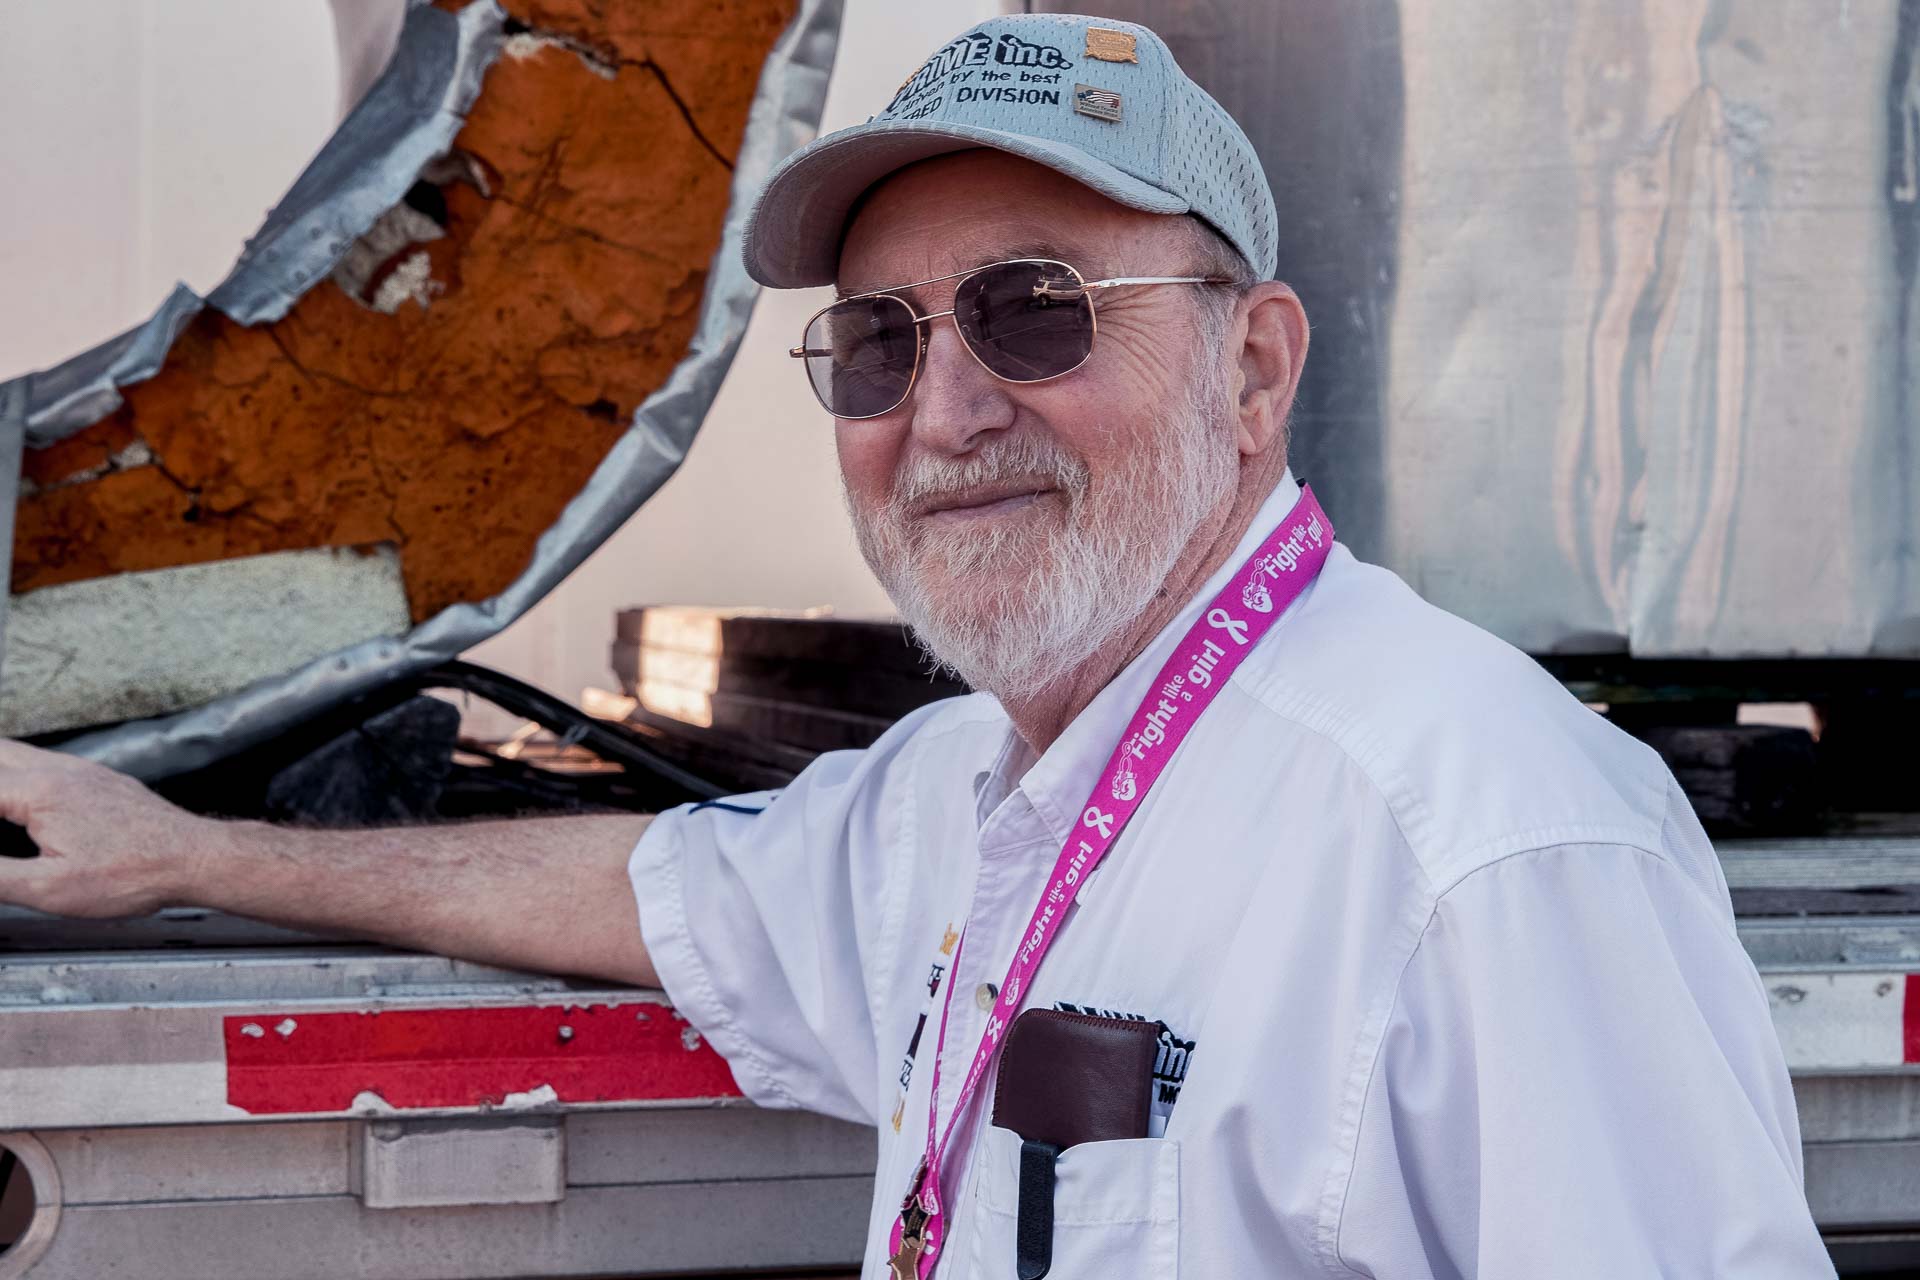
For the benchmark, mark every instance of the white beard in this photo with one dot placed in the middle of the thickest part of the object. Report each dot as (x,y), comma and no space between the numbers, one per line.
(1012,611)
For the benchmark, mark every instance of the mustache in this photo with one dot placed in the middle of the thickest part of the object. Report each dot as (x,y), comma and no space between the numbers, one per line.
(1024,458)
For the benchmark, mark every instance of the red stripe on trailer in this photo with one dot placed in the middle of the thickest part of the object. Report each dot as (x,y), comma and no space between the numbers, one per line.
(1910,1021)
(282,1063)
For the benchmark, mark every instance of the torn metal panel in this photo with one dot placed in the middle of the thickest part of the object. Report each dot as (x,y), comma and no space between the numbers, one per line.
(57,402)
(348,188)
(365,33)
(407,119)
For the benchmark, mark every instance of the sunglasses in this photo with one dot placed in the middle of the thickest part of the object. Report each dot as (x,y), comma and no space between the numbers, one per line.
(1024,320)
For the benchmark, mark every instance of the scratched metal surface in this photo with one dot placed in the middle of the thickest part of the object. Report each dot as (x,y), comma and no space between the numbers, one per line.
(1614,340)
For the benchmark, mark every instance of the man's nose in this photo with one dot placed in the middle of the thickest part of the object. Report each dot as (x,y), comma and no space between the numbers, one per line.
(956,402)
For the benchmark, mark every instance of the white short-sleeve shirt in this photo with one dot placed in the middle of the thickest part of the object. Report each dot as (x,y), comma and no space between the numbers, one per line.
(1446,969)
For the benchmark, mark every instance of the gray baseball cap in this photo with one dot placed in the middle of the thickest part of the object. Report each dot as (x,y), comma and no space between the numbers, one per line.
(1101,101)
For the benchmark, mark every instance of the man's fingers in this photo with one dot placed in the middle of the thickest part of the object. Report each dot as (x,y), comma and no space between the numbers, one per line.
(16,843)
(21,792)
(24,875)
(15,798)
(29,776)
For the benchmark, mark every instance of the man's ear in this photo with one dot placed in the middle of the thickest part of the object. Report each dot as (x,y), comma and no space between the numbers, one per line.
(1273,350)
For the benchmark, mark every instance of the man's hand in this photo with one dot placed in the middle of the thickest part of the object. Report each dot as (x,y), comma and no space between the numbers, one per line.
(544,894)
(108,846)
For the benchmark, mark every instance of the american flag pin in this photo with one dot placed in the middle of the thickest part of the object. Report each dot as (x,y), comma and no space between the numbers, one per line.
(1101,104)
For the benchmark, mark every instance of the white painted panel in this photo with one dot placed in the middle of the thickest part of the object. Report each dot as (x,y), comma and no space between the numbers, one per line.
(145,140)
(70,156)
(1838,1021)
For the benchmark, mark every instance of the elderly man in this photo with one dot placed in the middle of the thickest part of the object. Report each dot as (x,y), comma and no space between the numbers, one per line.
(1256,919)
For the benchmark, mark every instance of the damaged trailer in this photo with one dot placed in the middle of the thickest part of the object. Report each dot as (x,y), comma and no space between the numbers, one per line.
(250,538)
(1588,258)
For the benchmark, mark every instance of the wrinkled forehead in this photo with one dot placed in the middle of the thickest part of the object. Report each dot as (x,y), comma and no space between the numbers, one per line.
(958,212)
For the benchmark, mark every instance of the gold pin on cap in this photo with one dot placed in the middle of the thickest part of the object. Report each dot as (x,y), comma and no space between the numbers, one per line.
(1109,45)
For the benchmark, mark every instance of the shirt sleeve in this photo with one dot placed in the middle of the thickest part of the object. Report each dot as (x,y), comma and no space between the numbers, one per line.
(766,915)
(1579,1077)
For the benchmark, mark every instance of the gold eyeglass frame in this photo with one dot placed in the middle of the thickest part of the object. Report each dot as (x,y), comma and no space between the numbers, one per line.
(1083,287)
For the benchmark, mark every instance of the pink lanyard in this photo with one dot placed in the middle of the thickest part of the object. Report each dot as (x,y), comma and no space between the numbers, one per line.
(1244,611)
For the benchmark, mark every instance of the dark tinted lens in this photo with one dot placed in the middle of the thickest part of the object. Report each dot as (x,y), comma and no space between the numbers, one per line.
(860,356)
(1025,320)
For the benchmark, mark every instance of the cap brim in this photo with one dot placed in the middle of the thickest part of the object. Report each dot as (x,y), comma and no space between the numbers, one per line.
(793,234)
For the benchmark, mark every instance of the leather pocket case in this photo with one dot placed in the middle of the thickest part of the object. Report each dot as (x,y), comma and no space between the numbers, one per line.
(1067,1078)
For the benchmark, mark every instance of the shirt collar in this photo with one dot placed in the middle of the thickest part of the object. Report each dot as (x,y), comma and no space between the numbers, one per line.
(1060,780)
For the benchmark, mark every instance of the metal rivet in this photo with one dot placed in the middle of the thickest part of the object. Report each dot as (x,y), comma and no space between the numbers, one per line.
(985,994)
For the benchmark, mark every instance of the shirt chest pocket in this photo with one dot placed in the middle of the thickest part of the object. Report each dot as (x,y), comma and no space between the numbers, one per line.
(1116,1209)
